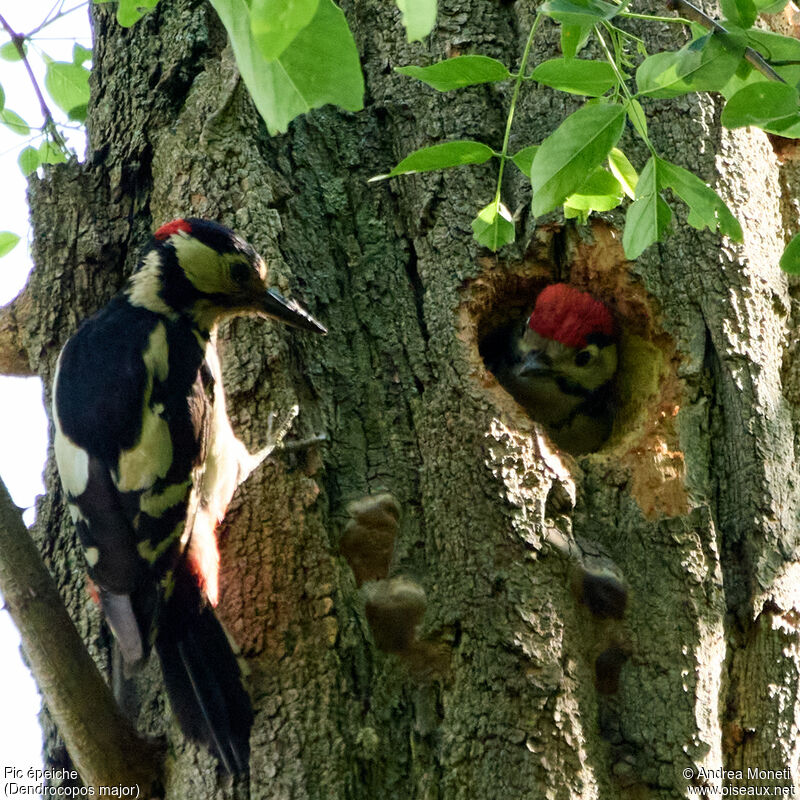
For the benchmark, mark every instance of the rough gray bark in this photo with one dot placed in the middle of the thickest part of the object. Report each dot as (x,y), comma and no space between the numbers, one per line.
(543,695)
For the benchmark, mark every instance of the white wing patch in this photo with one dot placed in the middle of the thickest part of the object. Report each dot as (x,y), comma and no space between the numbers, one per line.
(154,504)
(150,458)
(72,461)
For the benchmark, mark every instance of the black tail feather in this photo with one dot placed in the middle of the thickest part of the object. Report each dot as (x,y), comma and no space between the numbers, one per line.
(203,679)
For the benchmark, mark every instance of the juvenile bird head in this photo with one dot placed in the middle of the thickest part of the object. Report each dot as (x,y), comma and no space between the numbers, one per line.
(204,270)
(569,337)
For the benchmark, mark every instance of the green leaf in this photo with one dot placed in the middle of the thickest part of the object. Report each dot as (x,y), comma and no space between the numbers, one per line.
(770,6)
(419,17)
(649,217)
(8,241)
(320,65)
(646,222)
(275,23)
(601,192)
(130,12)
(576,76)
(50,153)
(576,213)
(441,156)
(573,38)
(788,127)
(638,119)
(68,85)
(455,73)
(706,207)
(494,226)
(759,104)
(572,152)
(579,12)
(28,160)
(744,76)
(9,52)
(782,52)
(81,54)
(14,122)
(790,260)
(524,158)
(704,65)
(774,46)
(2,98)
(623,171)
(741,12)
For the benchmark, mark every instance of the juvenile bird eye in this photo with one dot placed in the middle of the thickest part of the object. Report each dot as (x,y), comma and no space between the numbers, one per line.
(583,358)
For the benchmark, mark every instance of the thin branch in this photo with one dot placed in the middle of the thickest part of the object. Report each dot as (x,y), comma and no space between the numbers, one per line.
(750,55)
(49,123)
(105,748)
(51,20)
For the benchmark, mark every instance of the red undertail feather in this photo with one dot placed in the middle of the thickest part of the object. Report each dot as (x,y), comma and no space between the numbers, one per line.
(568,315)
(203,555)
(177,225)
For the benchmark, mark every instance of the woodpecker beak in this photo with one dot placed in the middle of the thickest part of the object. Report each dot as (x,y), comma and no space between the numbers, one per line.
(535,363)
(290,312)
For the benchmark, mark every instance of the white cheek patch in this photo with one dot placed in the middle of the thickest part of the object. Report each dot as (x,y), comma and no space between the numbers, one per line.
(202,265)
(92,556)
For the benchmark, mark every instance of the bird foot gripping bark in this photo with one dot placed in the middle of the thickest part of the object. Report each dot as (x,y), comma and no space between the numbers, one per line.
(394,606)
(276,433)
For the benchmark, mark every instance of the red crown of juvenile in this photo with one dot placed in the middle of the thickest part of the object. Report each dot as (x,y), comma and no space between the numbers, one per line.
(569,316)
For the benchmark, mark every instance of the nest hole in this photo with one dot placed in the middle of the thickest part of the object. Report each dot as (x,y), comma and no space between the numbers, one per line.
(644,392)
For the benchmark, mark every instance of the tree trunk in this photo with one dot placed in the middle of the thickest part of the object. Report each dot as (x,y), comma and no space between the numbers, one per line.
(621,625)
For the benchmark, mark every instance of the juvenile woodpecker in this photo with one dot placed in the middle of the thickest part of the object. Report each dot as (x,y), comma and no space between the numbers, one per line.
(561,366)
(149,462)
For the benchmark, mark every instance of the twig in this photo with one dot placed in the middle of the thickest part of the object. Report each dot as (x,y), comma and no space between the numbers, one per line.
(51,20)
(750,55)
(105,748)
(300,444)
(49,126)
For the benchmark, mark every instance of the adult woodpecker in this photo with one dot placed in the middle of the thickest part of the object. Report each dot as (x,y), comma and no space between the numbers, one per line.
(560,368)
(149,462)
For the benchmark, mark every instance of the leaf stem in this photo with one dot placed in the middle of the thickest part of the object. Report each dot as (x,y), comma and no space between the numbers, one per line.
(650,18)
(620,80)
(512,107)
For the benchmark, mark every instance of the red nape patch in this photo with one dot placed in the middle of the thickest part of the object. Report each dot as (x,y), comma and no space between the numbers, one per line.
(92,591)
(568,315)
(177,225)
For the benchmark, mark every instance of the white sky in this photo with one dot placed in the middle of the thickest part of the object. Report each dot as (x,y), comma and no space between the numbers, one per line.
(23,426)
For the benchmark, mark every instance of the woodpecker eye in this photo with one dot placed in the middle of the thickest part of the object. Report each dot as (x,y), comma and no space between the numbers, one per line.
(241,271)
(583,358)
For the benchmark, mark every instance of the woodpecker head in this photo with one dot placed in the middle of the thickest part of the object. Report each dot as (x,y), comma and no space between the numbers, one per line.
(204,270)
(569,338)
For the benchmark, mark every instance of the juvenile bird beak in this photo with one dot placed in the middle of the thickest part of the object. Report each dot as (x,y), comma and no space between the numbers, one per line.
(290,312)
(535,363)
